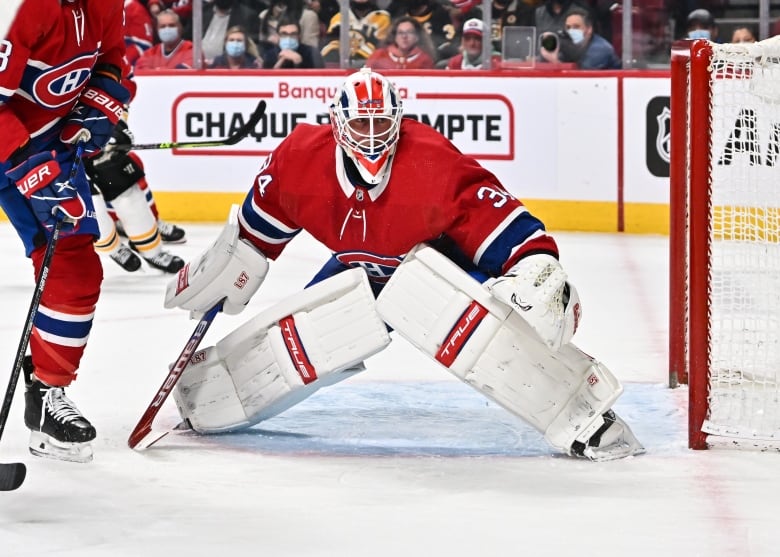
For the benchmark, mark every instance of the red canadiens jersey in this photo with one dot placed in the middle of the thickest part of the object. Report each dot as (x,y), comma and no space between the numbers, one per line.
(391,58)
(433,191)
(47,59)
(157,59)
(139,30)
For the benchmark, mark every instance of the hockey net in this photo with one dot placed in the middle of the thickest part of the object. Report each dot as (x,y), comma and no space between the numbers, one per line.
(725,240)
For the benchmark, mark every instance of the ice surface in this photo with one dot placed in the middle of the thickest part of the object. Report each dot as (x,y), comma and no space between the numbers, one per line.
(400,460)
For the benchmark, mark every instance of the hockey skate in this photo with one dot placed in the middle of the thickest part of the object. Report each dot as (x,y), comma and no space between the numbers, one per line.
(57,429)
(166,262)
(611,441)
(126,258)
(170,233)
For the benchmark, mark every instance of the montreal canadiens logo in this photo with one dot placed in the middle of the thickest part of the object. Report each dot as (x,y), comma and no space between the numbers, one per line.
(377,267)
(60,85)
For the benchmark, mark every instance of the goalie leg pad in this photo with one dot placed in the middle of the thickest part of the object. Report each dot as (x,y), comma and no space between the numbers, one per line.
(455,320)
(283,355)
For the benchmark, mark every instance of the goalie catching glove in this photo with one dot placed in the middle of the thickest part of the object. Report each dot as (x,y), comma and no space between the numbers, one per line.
(231,269)
(536,288)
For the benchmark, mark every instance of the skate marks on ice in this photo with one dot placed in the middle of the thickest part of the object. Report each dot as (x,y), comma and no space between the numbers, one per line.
(428,419)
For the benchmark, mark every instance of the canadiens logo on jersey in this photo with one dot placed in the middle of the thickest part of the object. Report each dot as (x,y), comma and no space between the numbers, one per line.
(378,268)
(57,86)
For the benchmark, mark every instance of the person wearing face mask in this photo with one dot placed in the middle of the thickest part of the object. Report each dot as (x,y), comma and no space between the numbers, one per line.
(587,49)
(238,52)
(172,52)
(218,17)
(551,17)
(701,25)
(291,52)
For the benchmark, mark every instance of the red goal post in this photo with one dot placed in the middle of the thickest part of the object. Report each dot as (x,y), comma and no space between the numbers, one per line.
(724,323)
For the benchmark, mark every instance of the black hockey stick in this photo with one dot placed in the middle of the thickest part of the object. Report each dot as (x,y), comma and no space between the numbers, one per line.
(232,139)
(142,435)
(12,474)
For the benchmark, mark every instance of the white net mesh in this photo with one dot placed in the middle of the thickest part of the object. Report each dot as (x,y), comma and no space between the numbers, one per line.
(744,397)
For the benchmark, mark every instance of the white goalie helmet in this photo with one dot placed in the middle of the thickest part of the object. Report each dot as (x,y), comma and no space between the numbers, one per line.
(366,118)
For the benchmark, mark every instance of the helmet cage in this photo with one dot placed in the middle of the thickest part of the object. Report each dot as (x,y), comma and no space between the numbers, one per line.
(366,120)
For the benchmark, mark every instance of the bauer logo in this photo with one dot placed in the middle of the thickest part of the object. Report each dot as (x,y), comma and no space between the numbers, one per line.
(657,139)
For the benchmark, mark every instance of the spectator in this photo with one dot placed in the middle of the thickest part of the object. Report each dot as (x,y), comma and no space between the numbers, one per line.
(551,18)
(325,10)
(218,17)
(172,52)
(238,51)
(408,47)
(291,52)
(368,26)
(582,46)
(505,13)
(743,34)
(182,8)
(139,30)
(470,56)
(436,20)
(701,25)
(308,22)
(269,21)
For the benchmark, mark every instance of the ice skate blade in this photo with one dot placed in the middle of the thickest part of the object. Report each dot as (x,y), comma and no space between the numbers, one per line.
(45,446)
(619,442)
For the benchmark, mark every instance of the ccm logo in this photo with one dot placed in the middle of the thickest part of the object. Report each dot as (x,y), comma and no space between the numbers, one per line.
(242,280)
(99,99)
(37,179)
(592,379)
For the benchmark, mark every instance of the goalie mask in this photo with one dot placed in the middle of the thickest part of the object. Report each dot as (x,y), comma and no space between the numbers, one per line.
(366,118)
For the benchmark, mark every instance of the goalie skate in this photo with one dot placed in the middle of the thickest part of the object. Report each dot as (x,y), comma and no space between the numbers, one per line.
(58,429)
(613,440)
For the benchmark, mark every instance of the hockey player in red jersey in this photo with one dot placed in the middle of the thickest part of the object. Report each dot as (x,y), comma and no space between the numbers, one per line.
(411,219)
(60,71)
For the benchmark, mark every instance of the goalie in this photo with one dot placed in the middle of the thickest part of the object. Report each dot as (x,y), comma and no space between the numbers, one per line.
(423,239)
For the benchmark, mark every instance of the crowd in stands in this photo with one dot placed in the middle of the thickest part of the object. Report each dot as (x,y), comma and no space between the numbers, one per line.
(404,34)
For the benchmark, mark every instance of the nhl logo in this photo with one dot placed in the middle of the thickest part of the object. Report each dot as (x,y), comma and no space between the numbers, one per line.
(658,124)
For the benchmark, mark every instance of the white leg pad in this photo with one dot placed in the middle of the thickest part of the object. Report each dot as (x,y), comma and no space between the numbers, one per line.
(283,355)
(449,316)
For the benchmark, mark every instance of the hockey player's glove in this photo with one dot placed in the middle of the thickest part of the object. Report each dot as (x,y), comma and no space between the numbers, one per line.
(122,139)
(98,110)
(536,287)
(48,186)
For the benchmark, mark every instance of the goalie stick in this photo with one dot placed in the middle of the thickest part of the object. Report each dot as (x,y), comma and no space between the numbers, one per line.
(12,474)
(143,437)
(237,136)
